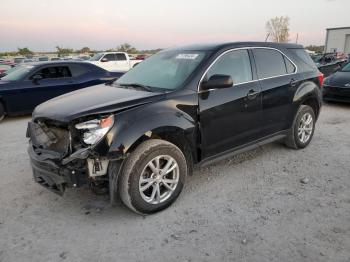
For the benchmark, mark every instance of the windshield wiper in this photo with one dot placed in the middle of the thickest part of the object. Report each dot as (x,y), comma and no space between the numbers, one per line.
(144,87)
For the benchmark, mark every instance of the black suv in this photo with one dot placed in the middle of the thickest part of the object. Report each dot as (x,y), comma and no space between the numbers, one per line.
(139,137)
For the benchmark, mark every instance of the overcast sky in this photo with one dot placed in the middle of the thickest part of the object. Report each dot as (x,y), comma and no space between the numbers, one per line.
(100,24)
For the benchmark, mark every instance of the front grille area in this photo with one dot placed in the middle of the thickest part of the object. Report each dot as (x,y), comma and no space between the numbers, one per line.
(49,138)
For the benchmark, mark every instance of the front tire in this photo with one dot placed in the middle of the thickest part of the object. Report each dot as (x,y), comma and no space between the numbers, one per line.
(152,176)
(302,131)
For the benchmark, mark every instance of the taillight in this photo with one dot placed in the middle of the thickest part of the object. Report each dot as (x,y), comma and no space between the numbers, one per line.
(321,79)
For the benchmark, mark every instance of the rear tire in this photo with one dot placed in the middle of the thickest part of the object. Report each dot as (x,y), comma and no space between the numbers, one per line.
(152,177)
(2,112)
(302,131)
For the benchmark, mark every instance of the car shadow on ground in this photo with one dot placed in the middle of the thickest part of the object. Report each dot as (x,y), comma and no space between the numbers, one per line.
(83,202)
(335,104)
(13,119)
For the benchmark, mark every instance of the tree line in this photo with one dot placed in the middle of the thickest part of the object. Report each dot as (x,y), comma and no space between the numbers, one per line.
(64,51)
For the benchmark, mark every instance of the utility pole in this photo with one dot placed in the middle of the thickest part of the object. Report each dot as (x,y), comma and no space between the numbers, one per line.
(296,40)
(267,37)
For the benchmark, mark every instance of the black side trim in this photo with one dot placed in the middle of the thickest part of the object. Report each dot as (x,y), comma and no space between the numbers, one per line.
(244,148)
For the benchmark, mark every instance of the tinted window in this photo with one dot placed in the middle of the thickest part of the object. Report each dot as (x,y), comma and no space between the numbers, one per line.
(121,57)
(269,63)
(110,57)
(234,63)
(78,70)
(290,67)
(54,72)
(307,64)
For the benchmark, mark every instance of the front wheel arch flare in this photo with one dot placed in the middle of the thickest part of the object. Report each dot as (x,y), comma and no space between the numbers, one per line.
(126,132)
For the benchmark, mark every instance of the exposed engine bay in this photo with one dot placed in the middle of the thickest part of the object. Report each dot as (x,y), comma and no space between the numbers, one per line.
(62,146)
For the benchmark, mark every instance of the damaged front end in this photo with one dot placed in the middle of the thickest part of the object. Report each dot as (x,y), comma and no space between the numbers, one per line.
(69,155)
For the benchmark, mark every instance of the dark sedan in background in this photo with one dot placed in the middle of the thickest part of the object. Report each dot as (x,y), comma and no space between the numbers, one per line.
(29,85)
(329,63)
(337,86)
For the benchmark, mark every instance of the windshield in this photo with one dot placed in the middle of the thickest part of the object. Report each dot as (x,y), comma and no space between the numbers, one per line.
(346,68)
(96,57)
(165,70)
(17,73)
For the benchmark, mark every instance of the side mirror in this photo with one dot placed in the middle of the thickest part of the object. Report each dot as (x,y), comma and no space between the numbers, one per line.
(217,82)
(36,78)
(104,60)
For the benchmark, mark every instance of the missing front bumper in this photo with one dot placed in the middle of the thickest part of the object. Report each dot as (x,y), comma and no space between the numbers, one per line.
(54,177)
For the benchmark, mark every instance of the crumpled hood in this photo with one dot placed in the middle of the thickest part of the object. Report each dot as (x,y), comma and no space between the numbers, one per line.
(93,100)
(339,79)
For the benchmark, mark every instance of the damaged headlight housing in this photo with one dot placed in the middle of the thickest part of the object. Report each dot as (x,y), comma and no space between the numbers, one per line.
(94,130)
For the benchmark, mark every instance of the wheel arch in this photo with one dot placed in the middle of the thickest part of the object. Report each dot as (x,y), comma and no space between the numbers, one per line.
(175,127)
(308,93)
(174,135)
(314,104)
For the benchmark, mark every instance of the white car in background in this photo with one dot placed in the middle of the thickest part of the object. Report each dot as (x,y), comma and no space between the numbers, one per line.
(114,61)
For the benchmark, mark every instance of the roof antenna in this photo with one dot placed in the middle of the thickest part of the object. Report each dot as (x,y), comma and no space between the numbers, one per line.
(267,37)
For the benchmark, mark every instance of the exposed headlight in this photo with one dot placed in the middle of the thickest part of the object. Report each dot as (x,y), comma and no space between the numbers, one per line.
(94,130)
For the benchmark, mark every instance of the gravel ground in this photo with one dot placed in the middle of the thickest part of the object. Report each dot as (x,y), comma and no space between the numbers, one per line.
(253,207)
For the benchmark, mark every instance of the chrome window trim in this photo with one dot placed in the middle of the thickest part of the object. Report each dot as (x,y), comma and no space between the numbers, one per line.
(247,48)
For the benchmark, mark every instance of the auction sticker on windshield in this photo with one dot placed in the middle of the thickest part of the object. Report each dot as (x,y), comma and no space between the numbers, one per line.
(187,56)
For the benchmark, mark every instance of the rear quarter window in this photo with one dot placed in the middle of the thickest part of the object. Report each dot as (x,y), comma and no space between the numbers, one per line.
(290,67)
(305,62)
(78,70)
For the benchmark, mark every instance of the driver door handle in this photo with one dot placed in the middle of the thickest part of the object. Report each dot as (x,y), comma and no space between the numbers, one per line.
(252,94)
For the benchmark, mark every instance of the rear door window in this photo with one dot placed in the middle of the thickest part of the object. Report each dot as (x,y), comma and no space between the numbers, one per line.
(110,57)
(269,62)
(121,57)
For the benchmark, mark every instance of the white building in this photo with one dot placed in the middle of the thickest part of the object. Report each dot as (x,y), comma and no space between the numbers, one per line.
(338,40)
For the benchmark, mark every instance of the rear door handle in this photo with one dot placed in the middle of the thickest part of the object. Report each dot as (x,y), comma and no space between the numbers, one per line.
(252,94)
